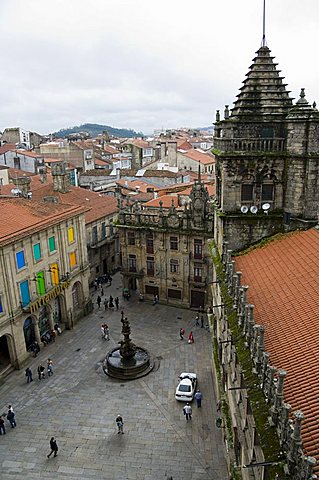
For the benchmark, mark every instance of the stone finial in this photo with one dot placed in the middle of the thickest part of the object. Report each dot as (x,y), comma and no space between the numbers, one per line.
(302,100)
(217,116)
(226,112)
(314,105)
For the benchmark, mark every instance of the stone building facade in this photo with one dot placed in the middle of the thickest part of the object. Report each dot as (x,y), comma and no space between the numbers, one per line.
(251,386)
(267,159)
(164,251)
(44,273)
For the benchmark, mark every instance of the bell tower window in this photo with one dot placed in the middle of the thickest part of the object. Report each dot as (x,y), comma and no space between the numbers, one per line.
(247,192)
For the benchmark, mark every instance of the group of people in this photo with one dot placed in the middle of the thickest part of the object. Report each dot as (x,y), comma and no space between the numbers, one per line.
(11,419)
(41,371)
(187,409)
(190,336)
(103,279)
(108,303)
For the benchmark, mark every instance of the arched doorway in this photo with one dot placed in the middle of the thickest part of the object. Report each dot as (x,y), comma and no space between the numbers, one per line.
(44,320)
(29,332)
(4,353)
(58,310)
(77,296)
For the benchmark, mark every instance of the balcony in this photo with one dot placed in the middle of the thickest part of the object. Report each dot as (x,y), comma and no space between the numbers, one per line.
(250,144)
(200,281)
(131,272)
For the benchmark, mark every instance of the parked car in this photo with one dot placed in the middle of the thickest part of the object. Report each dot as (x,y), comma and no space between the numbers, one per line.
(186,388)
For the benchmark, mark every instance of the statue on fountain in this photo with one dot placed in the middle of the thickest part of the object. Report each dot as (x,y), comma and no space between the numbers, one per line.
(127,347)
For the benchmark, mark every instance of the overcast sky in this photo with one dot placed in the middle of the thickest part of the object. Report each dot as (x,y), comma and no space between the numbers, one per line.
(144,64)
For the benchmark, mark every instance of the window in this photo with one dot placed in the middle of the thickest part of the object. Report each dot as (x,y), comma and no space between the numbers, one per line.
(132,263)
(24,293)
(174,266)
(103,231)
(198,248)
(52,244)
(173,243)
(111,229)
(54,269)
(73,260)
(131,238)
(40,283)
(171,293)
(37,252)
(149,243)
(71,235)
(94,235)
(247,191)
(267,192)
(198,272)
(20,259)
(1,305)
(150,266)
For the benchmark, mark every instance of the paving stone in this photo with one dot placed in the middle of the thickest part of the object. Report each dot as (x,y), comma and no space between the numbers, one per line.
(78,406)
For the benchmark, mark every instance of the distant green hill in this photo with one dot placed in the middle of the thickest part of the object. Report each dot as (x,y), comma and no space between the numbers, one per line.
(94,129)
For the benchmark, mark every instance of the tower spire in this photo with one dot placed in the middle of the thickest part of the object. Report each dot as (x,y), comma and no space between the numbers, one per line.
(263,43)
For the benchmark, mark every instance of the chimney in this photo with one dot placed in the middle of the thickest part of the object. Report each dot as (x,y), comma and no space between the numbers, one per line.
(137,155)
(43,175)
(23,184)
(61,178)
(172,154)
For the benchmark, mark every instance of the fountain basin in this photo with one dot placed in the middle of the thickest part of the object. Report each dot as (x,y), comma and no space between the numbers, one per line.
(139,365)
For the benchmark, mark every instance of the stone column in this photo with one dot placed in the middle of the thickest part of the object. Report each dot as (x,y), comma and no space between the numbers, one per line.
(260,348)
(296,442)
(279,396)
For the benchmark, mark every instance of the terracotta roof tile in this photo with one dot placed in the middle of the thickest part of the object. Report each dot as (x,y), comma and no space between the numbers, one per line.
(283,279)
(21,217)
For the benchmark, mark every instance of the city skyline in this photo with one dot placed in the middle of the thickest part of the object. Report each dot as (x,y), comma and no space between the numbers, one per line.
(143,65)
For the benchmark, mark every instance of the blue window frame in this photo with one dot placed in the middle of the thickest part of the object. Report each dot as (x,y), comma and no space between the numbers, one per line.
(25,293)
(20,259)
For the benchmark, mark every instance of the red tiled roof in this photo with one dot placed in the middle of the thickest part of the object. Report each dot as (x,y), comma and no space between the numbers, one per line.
(29,153)
(21,217)
(7,147)
(166,201)
(203,158)
(97,205)
(283,279)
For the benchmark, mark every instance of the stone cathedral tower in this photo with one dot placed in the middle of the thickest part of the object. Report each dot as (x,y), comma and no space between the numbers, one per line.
(267,159)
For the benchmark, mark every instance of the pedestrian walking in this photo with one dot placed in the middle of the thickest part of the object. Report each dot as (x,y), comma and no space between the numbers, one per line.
(155,299)
(117,303)
(202,321)
(191,338)
(28,374)
(54,447)
(50,367)
(182,333)
(111,304)
(187,410)
(119,423)
(197,319)
(106,332)
(98,301)
(11,417)
(110,280)
(95,284)
(41,371)
(106,304)
(102,292)
(2,426)
(198,398)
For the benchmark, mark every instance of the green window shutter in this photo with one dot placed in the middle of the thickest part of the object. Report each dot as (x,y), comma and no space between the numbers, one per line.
(40,283)
(52,244)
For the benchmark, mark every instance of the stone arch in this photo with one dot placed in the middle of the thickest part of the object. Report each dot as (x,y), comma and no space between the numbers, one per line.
(59,312)
(77,296)
(29,331)
(6,352)
(45,319)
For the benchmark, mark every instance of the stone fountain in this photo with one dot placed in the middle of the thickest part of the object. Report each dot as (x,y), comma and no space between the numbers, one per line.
(128,361)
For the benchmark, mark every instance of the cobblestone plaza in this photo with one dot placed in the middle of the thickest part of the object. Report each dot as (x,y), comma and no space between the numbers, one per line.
(79,403)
